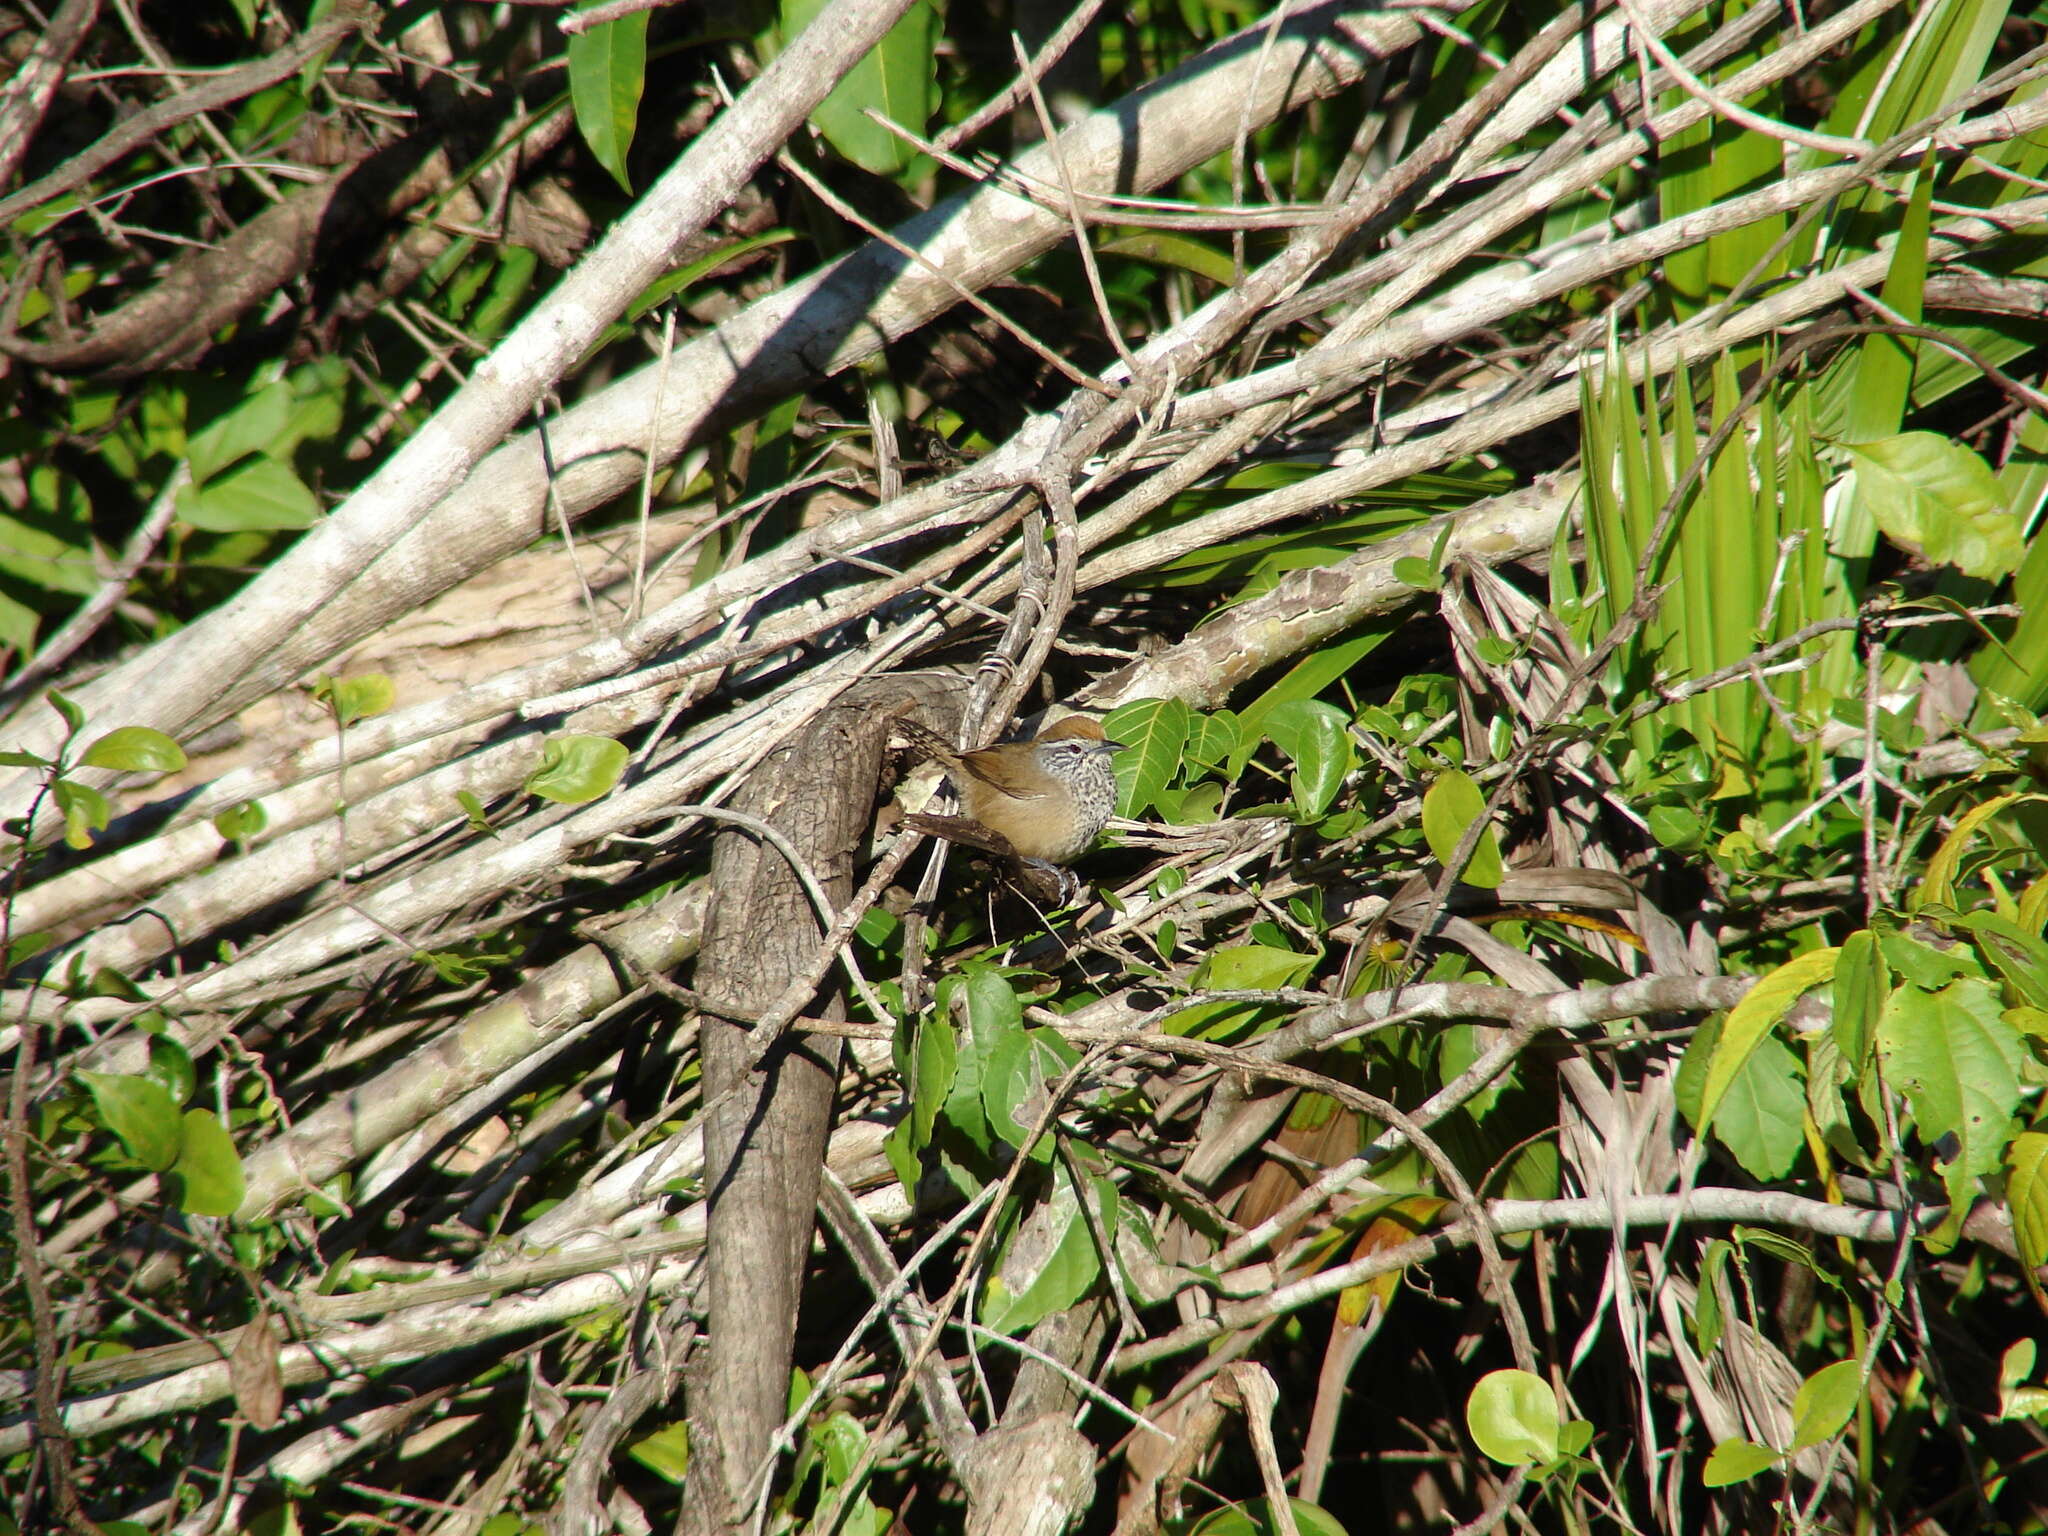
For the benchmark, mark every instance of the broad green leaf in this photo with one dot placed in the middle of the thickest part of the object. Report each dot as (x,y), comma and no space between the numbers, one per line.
(1318,739)
(1754,1017)
(1677,827)
(1304,680)
(665,1453)
(1512,1416)
(238,823)
(1921,963)
(260,495)
(140,1113)
(936,1056)
(993,1063)
(34,554)
(207,1174)
(356,698)
(1254,968)
(896,80)
(575,768)
(1239,968)
(1958,1063)
(1255,1517)
(135,749)
(1940,500)
(254,426)
(1762,1112)
(1213,738)
(1153,732)
(170,1068)
(1057,1273)
(1825,1403)
(1736,1461)
(607,72)
(2026,1193)
(1450,805)
(2017,955)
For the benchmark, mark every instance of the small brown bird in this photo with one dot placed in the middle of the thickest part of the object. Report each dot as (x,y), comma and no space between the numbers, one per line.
(1048,798)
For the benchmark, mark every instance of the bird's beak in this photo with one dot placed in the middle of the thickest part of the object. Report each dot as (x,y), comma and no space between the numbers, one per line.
(1112,746)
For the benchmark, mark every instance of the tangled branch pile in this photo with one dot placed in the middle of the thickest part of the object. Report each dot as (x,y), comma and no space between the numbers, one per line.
(1545,501)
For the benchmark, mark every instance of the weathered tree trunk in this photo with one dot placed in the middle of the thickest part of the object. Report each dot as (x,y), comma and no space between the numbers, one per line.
(765,1127)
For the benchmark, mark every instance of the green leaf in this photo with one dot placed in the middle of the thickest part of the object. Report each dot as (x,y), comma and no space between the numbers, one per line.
(1031,1287)
(34,555)
(1882,366)
(936,1055)
(261,495)
(239,823)
(1254,968)
(897,80)
(1254,1517)
(665,1453)
(1940,500)
(607,72)
(1318,738)
(1958,1063)
(135,749)
(1707,1317)
(1677,827)
(1512,1416)
(1416,572)
(1825,1402)
(1861,983)
(1762,1113)
(140,1113)
(1213,738)
(1174,251)
(1154,732)
(1754,1017)
(170,1068)
(2017,955)
(74,717)
(1736,1461)
(253,426)
(19,625)
(473,813)
(84,809)
(2026,1194)
(2017,1363)
(1304,680)
(575,768)
(358,697)
(1009,1079)
(1450,805)
(208,1174)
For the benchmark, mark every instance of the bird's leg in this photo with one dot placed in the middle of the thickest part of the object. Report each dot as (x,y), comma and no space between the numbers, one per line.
(1069,885)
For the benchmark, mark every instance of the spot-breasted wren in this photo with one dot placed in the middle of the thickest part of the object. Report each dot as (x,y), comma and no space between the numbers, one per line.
(1049,797)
